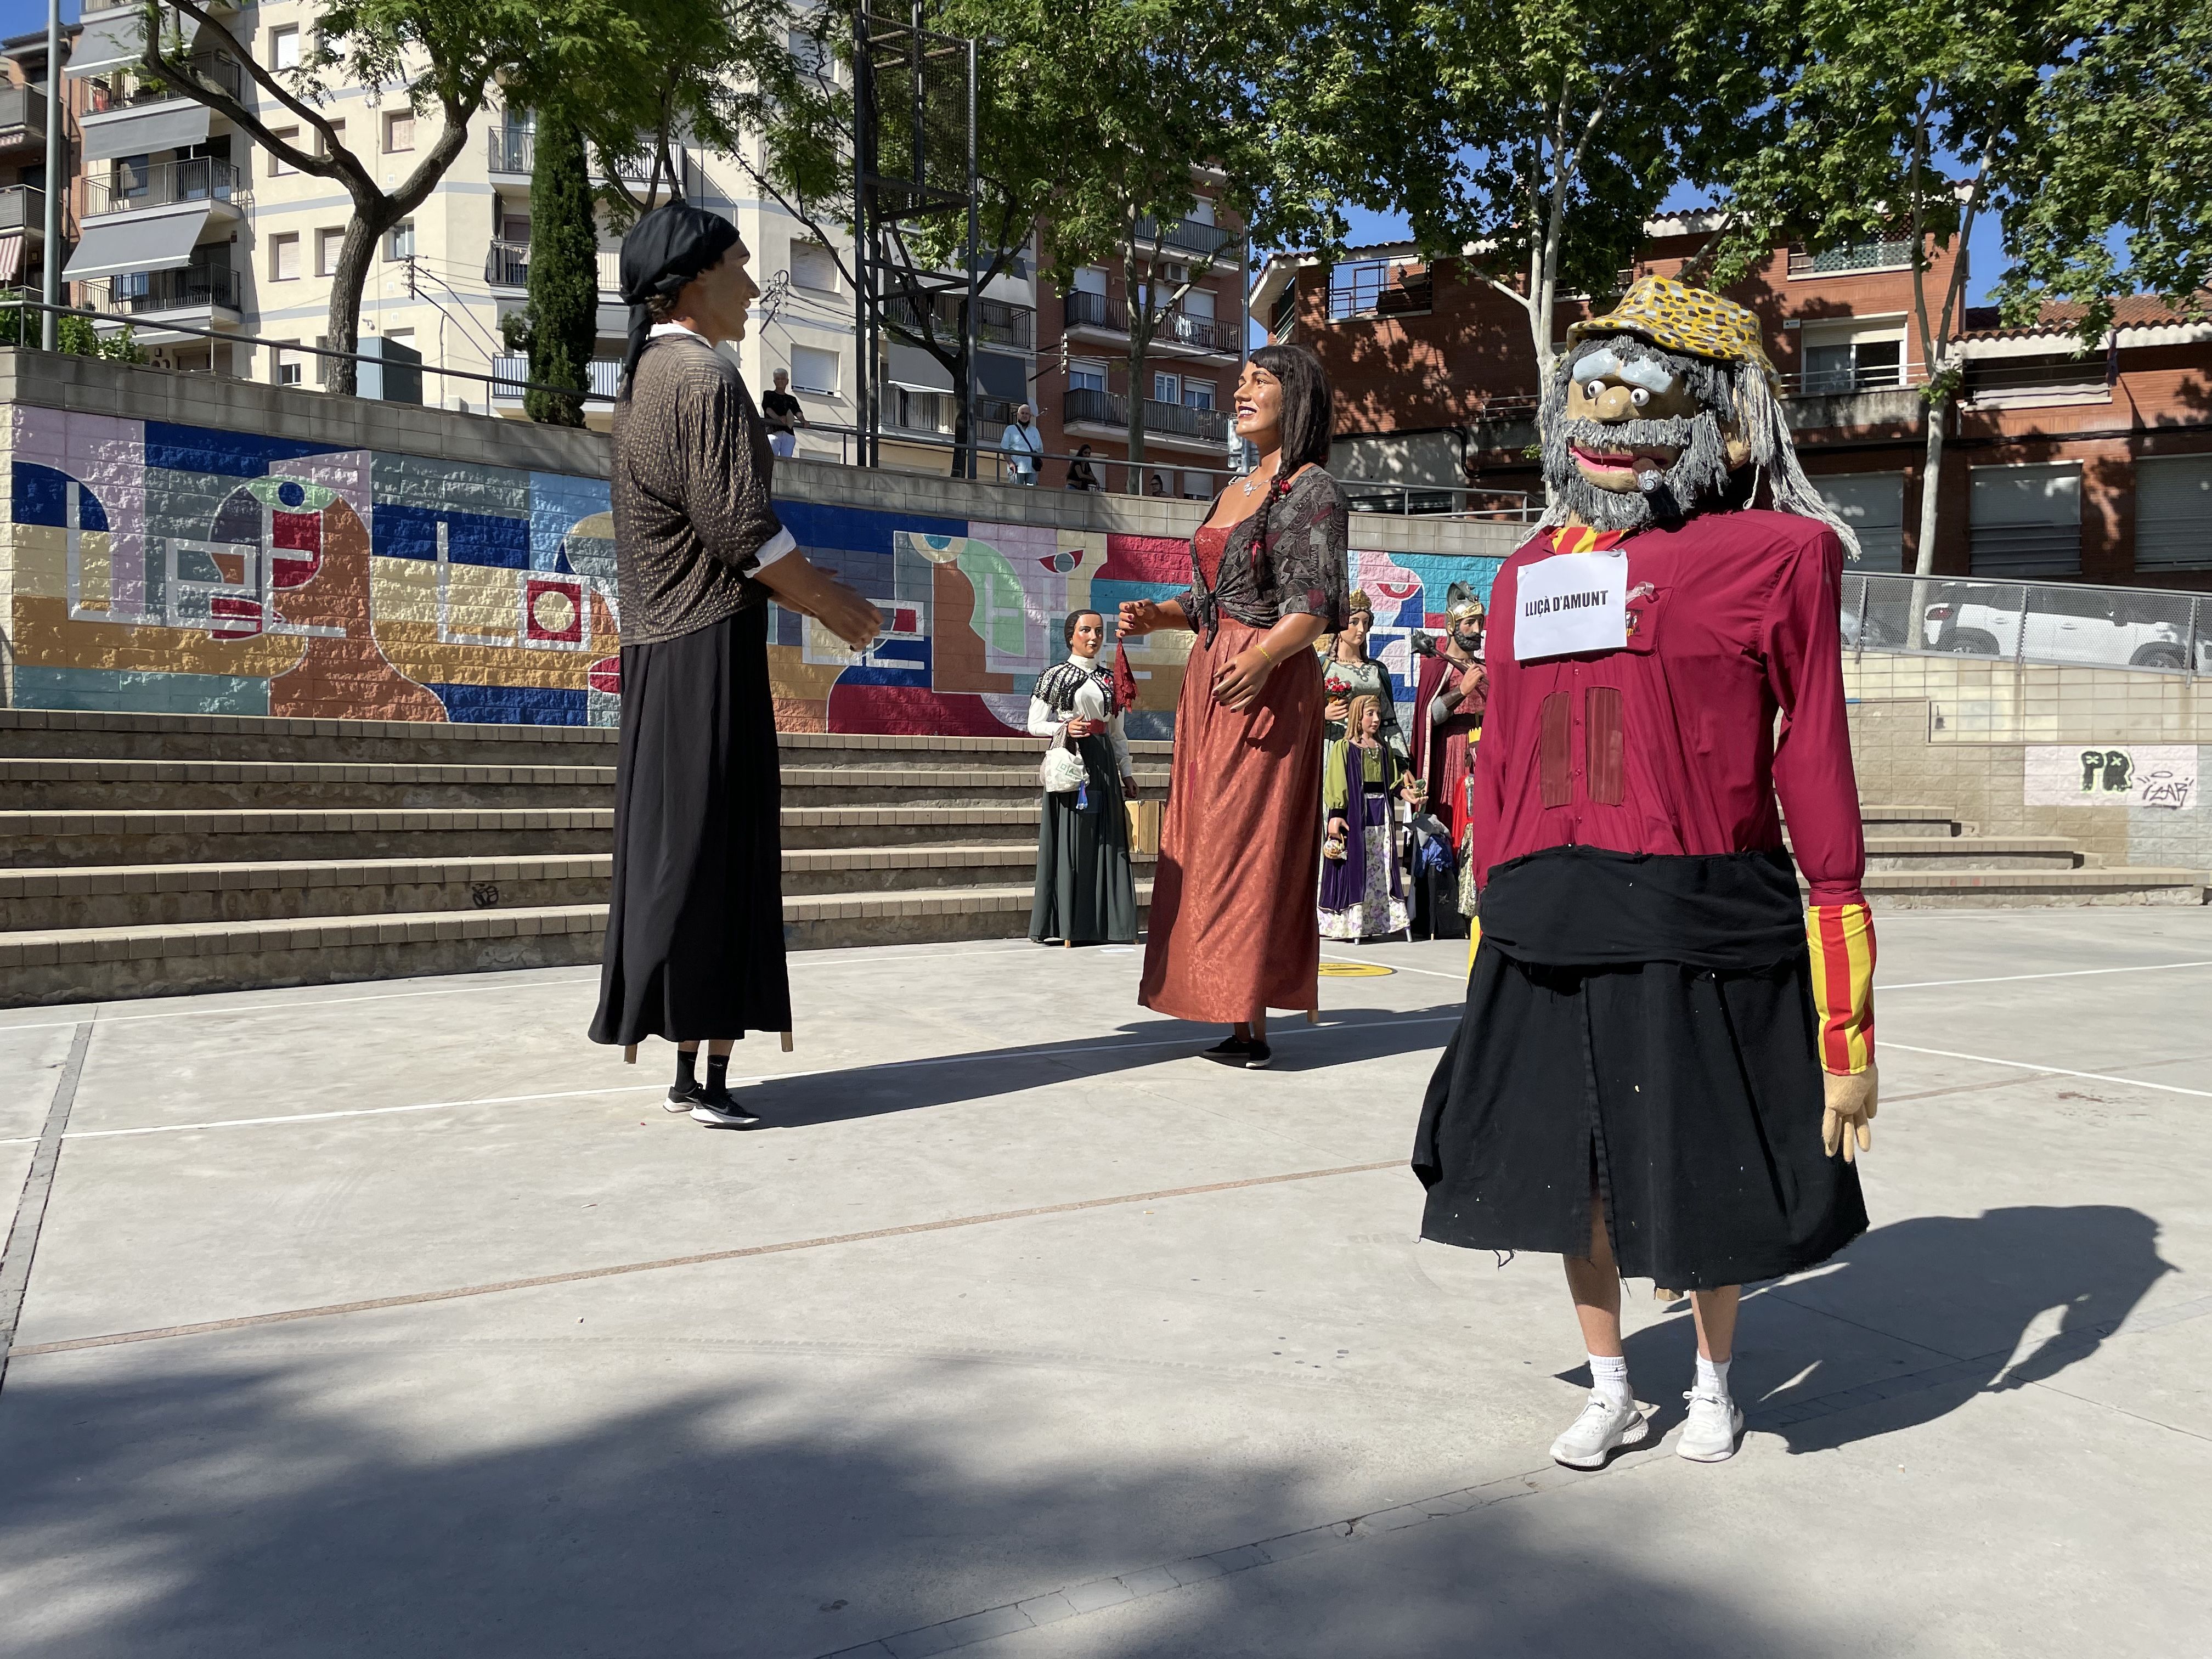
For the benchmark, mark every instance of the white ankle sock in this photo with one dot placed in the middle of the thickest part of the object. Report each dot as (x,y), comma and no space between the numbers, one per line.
(1712,1376)
(1609,1377)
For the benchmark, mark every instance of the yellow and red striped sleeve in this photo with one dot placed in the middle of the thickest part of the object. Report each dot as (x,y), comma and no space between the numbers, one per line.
(1842,940)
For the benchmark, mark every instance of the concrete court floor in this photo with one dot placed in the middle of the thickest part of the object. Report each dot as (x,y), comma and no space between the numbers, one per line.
(1032,1411)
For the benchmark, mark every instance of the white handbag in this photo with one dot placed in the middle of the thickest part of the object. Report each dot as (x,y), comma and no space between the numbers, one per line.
(1063,771)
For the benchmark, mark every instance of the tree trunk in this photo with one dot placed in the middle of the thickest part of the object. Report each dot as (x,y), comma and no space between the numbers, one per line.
(1931,477)
(564,273)
(347,282)
(1139,350)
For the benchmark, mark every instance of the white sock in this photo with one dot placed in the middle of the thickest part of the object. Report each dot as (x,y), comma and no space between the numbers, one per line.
(1712,1376)
(1609,1377)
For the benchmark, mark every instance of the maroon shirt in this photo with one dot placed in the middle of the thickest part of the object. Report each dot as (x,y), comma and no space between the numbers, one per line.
(1672,745)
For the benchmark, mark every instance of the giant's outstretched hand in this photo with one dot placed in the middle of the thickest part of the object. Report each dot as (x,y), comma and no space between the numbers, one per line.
(1851,1099)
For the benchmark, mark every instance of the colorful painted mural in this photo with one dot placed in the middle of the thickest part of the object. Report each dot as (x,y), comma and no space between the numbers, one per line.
(194,570)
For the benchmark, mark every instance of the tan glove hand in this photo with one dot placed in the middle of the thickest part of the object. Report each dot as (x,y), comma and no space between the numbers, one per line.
(1843,1125)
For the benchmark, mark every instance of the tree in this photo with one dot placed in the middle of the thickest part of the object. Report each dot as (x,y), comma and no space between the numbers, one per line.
(1894,96)
(2121,151)
(564,269)
(432,56)
(1531,138)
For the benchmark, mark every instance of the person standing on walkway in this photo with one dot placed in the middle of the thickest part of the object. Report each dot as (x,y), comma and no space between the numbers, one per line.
(1231,933)
(782,414)
(1085,894)
(695,921)
(1022,444)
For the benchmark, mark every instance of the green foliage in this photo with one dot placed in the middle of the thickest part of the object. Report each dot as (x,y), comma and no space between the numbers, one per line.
(564,283)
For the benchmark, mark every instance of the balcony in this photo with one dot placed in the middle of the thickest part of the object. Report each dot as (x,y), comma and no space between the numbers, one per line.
(23,207)
(507,265)
(509,374)
(1378,288)
(1188,235)
(997,322)
(133,89)
(22,116)
(1851,258)
(512,149)
(1169,422)
(131,186)
(188,288)
(1097,311)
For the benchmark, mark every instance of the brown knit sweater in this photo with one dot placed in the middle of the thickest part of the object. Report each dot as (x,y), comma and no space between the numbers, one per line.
(691,488)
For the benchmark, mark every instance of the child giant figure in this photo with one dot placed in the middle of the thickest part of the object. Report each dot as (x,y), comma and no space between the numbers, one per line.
(1662,1051)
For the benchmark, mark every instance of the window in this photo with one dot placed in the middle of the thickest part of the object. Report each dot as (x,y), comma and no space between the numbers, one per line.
(1086,375)
(2173,506)
(1198,486)
(2026,520)
(327,244)
(812,267)
(400,240)
(1378,287)
(284,366)
(1167,388)
(284,47)
(1854,355)
(1199,302)
(814,369)
(284,258)
(1873,504)
(398,131)
(1091,279)
(328,143)
(1197,394)
(278,165)
(322,364)
(1201,213)
(129,178)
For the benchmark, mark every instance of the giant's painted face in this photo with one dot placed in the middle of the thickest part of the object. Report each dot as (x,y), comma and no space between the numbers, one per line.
(1634,434)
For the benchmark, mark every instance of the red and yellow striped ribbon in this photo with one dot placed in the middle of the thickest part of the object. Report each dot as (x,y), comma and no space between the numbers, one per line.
(1842,940)
(1583,538)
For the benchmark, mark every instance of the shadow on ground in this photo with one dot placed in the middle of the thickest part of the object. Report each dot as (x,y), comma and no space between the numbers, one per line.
(1967,1289)
(220,1508)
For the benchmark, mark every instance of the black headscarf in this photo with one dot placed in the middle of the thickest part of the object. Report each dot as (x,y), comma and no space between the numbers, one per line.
(665,249)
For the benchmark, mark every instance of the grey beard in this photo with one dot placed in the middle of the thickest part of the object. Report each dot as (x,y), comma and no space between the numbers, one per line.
(1700,472)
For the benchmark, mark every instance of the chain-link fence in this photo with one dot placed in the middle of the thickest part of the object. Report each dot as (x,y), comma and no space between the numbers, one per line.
(2062,624)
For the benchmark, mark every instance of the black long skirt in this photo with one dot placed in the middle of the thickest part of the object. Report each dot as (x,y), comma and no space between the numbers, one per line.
(1690,1097)
(695,928)
(1084,891)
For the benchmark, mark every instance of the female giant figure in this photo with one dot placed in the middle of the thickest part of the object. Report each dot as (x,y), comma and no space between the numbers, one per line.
(1233,931)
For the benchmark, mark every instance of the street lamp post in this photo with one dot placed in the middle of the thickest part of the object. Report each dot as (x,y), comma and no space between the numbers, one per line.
(57,143)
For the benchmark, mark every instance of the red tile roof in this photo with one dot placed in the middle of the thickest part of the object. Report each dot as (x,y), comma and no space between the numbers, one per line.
(2058,317)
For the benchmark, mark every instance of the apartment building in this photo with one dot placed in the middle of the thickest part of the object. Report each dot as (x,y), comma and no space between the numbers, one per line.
(187,224)
(2057,465)
(1082,395)
(23,163)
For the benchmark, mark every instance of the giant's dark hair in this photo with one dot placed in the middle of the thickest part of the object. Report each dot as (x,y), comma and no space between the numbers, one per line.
(1309,406)
(1068,627)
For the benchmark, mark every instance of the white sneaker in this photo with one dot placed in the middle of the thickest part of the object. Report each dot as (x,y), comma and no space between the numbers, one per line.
(1602,1426)
(1710,1434)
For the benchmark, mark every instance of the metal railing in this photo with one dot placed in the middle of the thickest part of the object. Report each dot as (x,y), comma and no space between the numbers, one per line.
(1188,235)
(512,149)
(1879,254)
(1379,288)
(22,114)
(128,88)
(2044,624)
(511,379)
(1167,420)
(998,322)
(1087,310)
(186,288)
(22,207)
(132,186)
(507,265)
(2055,375)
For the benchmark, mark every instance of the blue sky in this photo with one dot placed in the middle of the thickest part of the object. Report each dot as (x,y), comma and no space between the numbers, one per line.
(21,16)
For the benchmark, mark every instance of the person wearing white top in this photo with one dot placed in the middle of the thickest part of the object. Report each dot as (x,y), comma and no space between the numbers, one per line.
(1022,444)
(1085,893)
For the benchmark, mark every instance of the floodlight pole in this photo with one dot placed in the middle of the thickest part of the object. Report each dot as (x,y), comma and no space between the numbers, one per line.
(56,149)
(864,275)
(970,330)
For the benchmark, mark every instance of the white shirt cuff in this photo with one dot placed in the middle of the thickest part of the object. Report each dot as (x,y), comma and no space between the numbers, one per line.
(772,549)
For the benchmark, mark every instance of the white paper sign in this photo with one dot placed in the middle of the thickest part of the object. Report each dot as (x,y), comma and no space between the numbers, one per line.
(1572,602)
(2161,776)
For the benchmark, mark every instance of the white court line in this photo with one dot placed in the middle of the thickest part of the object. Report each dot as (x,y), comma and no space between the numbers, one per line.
(2070,973)
(2050,1070)
(798,958)
(642,1088)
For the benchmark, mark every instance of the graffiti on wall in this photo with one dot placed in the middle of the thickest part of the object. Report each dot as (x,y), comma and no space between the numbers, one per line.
(195,570)
(2158,775)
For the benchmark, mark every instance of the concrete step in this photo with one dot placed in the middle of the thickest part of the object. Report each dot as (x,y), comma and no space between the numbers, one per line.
(48,785)
(189,895)
(1909,821)
(807,827)
(924,785)
(97,964)
(153,836)
(1972,852)
(1934,889)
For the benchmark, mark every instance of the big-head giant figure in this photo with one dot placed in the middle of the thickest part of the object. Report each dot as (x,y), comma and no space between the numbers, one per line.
(1662,1049)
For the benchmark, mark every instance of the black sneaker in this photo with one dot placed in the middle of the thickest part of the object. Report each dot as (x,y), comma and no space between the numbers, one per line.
(683,1096)
(720,1109)
(1256,1057)
(1229,1051)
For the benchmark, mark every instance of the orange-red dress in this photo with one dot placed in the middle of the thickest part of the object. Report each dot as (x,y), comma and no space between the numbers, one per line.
(1231,933)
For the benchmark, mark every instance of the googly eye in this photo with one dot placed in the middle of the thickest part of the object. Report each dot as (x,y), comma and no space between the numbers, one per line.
(1639,397)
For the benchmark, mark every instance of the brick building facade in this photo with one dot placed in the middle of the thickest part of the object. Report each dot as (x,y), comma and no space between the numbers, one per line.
(2056,464)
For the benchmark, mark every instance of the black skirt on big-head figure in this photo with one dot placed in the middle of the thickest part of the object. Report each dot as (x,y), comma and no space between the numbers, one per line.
(1642,1025)
(694,922)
